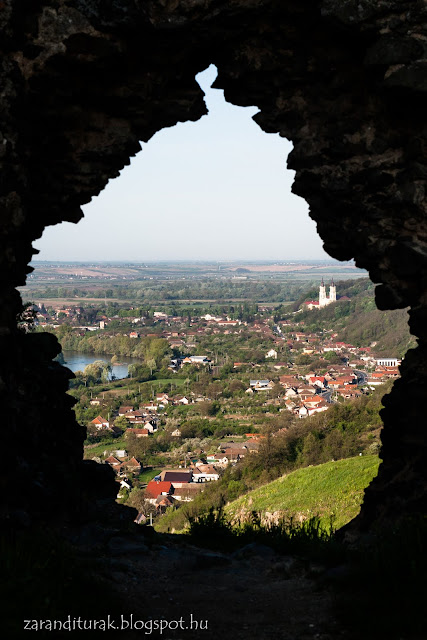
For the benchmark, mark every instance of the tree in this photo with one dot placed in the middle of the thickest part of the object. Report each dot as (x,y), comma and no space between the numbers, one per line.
(139,447)
(312,449)
(121,423)
(151,364)
(303,359)
(236,386)
(214,390)
(139,371)
(277,391)
(157,348)
(207,408)
(332,357)
(138,500)
(98,370)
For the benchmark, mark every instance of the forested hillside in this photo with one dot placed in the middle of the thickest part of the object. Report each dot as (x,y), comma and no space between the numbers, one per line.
(359,322)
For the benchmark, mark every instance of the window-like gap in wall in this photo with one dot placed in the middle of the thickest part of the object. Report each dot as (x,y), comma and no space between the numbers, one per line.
(217,189)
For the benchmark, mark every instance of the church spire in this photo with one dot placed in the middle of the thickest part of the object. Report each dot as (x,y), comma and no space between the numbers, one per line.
(322,295)
(332,292)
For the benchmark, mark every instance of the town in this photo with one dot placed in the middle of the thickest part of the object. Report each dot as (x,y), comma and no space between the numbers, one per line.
(209,386)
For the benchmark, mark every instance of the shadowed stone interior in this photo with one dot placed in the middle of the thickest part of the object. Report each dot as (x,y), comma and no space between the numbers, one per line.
(82,81)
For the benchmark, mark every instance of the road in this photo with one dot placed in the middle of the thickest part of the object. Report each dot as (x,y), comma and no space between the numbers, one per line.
(362,377)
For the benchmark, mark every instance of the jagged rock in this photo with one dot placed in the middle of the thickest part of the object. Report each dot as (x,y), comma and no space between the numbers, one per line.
(84,82)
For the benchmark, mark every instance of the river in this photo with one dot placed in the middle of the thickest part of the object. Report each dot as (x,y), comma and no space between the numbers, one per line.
(77,361)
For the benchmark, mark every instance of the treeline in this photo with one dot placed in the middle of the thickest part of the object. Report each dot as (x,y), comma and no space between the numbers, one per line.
(146,348)
(345,430)
(170,290)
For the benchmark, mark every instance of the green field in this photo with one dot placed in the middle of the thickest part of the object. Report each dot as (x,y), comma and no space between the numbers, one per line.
(148,474)
(108,445)
(333,488)
(176,381)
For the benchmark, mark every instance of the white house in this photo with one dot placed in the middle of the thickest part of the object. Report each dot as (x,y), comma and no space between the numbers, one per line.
(199,360)
(388,362)
(261,385)
(271,354)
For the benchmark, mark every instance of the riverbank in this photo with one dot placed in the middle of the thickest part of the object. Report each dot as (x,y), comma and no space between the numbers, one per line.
(78,360)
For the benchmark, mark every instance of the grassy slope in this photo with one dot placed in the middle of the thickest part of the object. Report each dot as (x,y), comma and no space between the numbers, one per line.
(108,445)
(330,488)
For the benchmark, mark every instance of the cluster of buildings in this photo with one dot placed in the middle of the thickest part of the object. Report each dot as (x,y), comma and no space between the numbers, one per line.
(178,363)
(182,485)
(325,300)
(305,395)
(173,486)
(142,421)
(125,468)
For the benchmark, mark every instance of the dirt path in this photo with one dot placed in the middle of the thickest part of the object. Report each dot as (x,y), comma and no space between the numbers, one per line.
(253,593)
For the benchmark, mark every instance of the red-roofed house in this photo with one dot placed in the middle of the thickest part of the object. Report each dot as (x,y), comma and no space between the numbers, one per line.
(140,433)
(163,502)
(312,304)
(288,381)
(112,461)
(133,465)
(156,488)
(312,401)
(163,398)
(344,380)
(348,392)
(100,423)
(318,381)
(320,406)
(124,410)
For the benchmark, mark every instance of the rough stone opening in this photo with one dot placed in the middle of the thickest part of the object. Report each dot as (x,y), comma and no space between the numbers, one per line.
(199,191)
(345,81)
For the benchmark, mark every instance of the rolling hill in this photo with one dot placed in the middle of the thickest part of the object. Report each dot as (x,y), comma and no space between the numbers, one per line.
(333,488)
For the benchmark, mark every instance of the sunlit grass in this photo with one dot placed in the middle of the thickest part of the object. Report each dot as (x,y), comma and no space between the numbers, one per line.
(333,488)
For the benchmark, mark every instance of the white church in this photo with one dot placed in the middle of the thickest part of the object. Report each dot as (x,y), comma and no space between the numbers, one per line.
(324,300)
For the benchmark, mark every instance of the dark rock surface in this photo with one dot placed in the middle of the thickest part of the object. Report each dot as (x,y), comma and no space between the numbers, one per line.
(233,597)
(84,81)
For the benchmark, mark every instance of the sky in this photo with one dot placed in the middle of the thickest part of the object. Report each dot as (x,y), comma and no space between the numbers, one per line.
(216,189)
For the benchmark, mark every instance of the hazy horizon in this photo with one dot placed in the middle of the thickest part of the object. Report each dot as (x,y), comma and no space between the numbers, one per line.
(206,261)
(201,191)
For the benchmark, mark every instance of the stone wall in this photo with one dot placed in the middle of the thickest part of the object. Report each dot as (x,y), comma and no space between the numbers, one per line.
(83,81)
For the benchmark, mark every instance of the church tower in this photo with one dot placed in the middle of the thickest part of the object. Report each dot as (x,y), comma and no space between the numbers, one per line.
(323,301)
(332,292)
